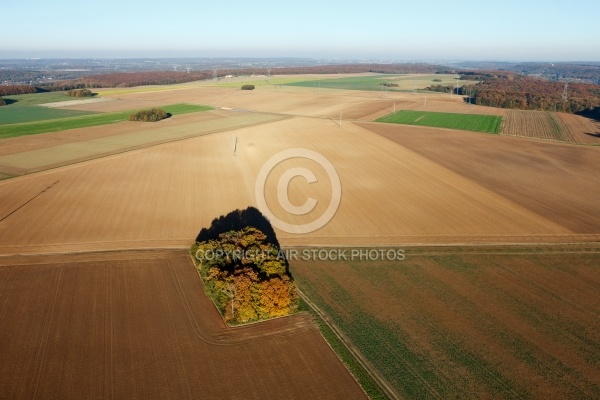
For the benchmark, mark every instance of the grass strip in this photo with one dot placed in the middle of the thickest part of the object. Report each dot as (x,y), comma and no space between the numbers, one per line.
(356,369)
(55,125)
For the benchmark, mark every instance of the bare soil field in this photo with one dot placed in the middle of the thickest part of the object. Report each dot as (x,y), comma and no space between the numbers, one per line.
(293,101)
(31,154)
(353,105)
(557,181)
(299,101)
(390,194)
(71,103)
(119,104)
(138,326)
(485,322)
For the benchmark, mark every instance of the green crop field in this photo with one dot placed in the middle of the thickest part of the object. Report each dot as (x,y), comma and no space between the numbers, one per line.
(32,99)
(20,114)
(468,322)
(55,125)
(467,122)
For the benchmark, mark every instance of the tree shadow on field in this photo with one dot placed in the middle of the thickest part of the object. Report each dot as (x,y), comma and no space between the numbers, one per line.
(238,220)
(8,101)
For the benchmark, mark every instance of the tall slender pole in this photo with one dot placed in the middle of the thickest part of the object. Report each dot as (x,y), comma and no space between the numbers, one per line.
(457,86)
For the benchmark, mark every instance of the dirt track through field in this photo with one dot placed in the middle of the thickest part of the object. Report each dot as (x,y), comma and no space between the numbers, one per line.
(138,325)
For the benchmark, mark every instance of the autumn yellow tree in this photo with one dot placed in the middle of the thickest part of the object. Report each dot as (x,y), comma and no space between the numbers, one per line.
(246,276)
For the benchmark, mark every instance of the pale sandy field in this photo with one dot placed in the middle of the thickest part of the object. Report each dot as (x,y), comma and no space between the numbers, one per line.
(298,101)
(391,194)
(162,196)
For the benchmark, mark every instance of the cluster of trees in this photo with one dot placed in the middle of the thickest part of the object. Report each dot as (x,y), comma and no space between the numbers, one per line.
(63,86)
(79,93)
(128,79)
(247,87)
(2,102)
(528,93)
(7,90)
(441,88)
(389,84)
(465,90)
(153,115)
(246,276)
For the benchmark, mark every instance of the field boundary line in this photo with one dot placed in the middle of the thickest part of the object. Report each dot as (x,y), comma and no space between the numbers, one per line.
(23,250)
(377,378)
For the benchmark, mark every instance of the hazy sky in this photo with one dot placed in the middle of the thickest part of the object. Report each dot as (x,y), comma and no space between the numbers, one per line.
(534,30)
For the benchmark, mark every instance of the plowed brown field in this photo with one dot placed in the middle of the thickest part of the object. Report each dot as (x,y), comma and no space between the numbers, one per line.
(138,326)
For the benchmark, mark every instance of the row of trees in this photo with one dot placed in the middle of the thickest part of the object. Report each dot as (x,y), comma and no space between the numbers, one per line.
(245,276)
(153,115)
(7,90)
(465,90)
(247,87)
(441,88)
(79,93)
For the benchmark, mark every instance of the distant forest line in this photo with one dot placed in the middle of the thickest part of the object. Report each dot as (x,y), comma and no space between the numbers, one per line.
(496,88)
(511,90)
